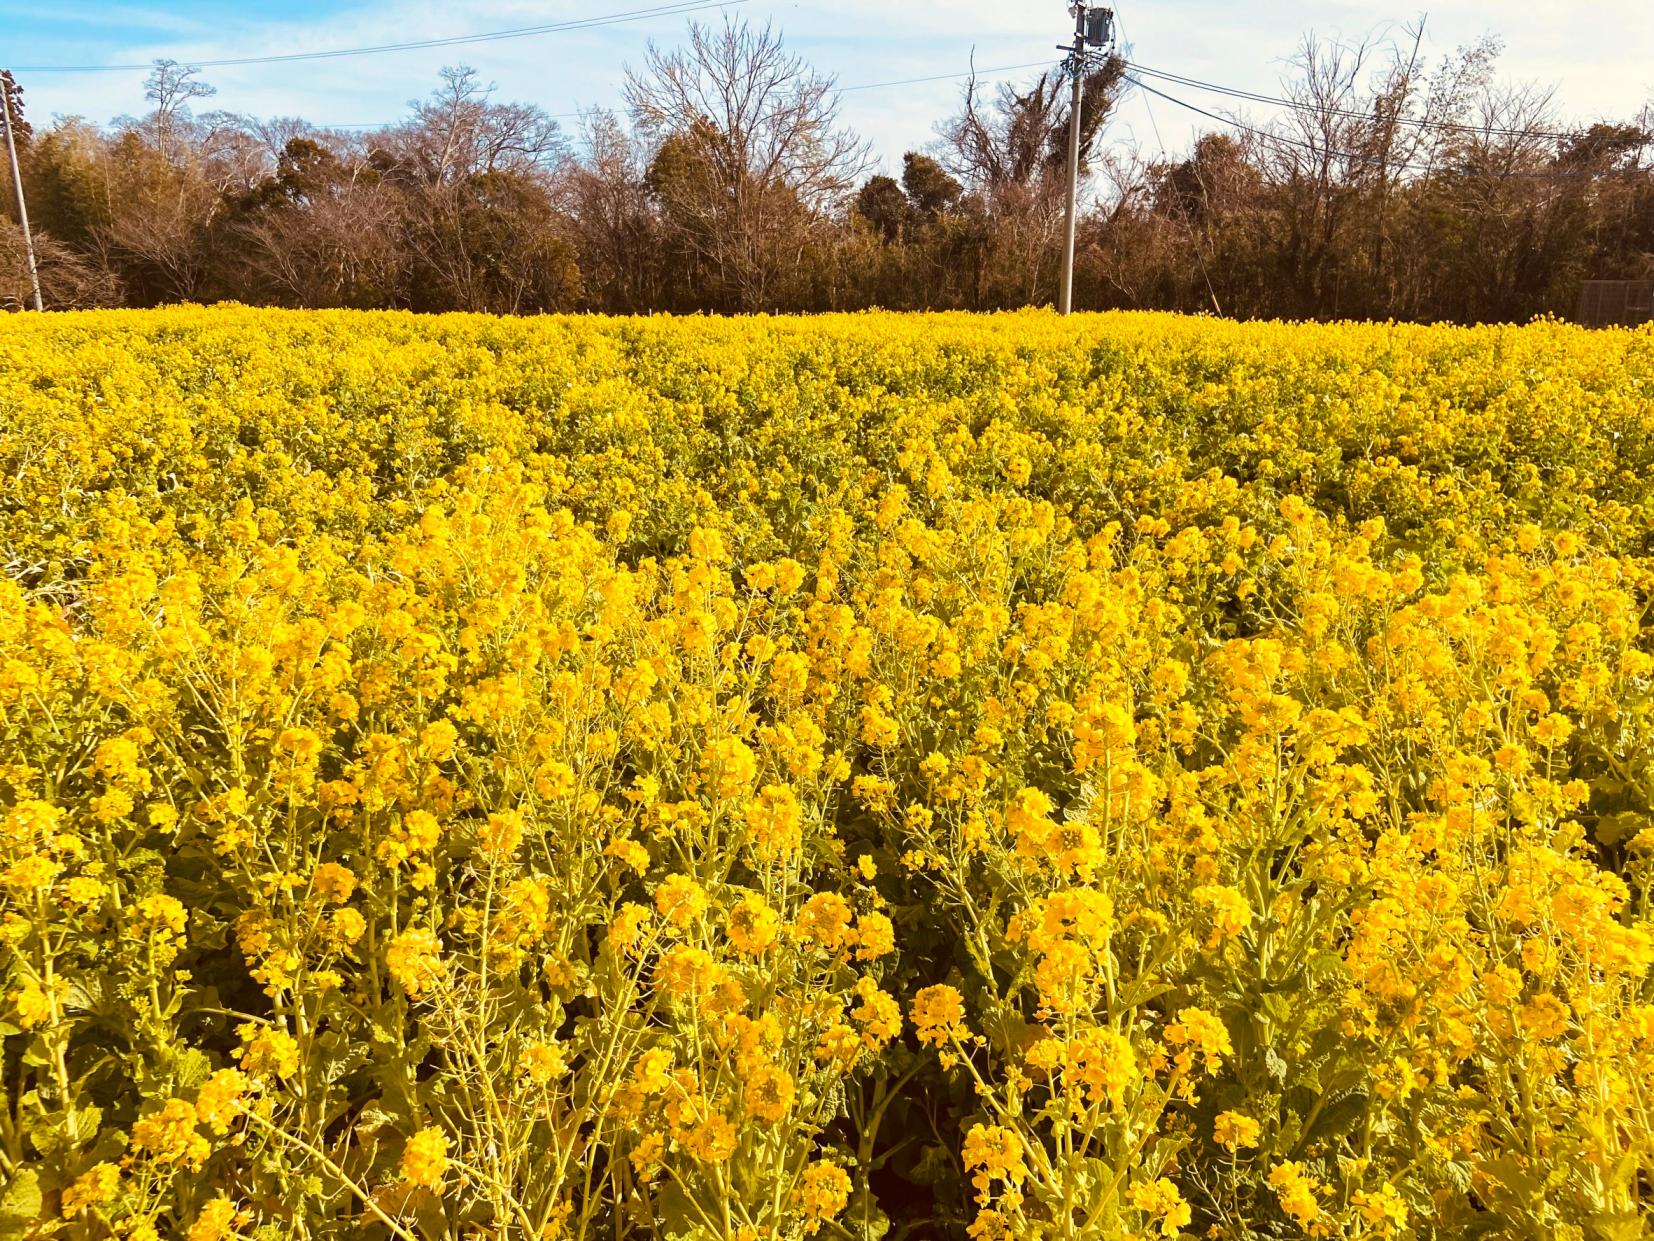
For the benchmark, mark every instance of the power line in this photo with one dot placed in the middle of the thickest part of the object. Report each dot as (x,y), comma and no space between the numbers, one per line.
(1183,210)
(1330,152)
(1267,135)
(683,8)
(940,77)
(687,7)
(1418,122)
(947,77)
(1183,207)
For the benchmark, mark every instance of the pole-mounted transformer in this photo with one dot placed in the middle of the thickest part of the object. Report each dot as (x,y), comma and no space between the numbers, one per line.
(1093,30)
(1099,27)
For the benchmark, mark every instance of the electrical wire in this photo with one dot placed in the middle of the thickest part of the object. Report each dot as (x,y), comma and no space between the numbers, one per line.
(1267,135)
(1183,207)
(1493,131)
(1332,153)
(683,8)
(940,77)
(686,7)
(1188,225)
(947,77)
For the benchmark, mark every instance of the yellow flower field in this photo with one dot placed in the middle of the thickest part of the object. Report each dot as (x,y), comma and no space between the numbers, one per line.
(861,777)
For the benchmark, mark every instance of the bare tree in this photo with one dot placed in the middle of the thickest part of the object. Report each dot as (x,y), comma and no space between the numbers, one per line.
(606,193)
(1010,152)
(475,178)
(344,251)
(69,280)
(325,230)
(460,131)
(1385,186)
(1020,137)
(749,160)
(1365,124)
(1335,141)
(171,87)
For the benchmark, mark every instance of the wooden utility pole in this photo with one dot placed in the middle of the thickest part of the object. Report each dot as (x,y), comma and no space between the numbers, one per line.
(17,187)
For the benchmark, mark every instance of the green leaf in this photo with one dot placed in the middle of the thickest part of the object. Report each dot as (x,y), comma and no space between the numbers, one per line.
(1337,1118)
(22,1205)
(1276,1067)
(1613,828)
(1627,1226)
(676,1213)
(1512,1176)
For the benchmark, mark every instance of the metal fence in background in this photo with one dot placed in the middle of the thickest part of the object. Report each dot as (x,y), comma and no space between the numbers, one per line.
(1606,303)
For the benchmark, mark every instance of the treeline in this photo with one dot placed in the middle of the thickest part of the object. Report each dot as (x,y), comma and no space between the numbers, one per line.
(727,182)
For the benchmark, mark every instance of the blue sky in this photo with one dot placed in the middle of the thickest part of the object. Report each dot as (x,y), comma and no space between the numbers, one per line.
(1602,65)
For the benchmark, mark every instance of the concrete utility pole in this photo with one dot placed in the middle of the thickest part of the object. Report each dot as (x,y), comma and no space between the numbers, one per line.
(17,187)
(1092,28)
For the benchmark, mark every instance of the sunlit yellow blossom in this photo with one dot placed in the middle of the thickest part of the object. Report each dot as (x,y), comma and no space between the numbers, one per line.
(32,1005)
(92,1188)
(823,1191)
(267,1051)
(333,883)
(627,928)
(877,1013)
(752,925)
(1229,912)
(1101,1064)
(217,1221)
(774,818)
(687,971)
(438,739)
(938,1015)
(1198,1031)
(32,873)
(162,913)
(730,766)
(629,853)
(1544,1017)
(425,1159)
(414,959)
(501,833)
(1296,1191)
(1382,1208)
(825,920)
(768,1093)
(993,1153)
(169,1136)
(1160,1200)
(540,764)
(219,1101)
(1235,1130)
(543,1063)
(680,900)
(875,936)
